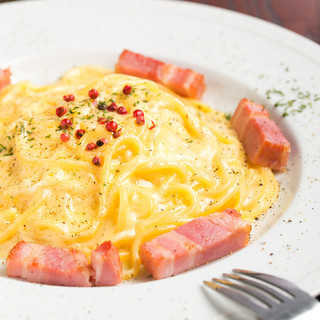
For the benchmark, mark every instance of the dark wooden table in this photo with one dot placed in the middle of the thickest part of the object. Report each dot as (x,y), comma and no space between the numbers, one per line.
(301,16)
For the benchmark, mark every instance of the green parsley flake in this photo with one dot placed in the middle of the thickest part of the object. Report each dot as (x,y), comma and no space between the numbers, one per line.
(302,101)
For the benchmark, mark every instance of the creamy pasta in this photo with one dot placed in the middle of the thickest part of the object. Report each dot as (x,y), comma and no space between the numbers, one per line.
(185,161)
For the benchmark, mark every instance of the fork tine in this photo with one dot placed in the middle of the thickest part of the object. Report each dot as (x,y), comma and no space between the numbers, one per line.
(236,296)
(283,284)
(255,293)
(268,289)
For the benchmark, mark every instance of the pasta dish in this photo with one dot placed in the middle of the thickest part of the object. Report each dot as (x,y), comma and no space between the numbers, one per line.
(73,183)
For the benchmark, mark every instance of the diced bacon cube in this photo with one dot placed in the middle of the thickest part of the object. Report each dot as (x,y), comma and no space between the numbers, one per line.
(48,265)
(135,64)
(245,111)
(172,253)
(5,77)
(183,81)
(265,145)
(106,265)
(230,218)
(195,243)
(262,139)
(208,236)
(157,260)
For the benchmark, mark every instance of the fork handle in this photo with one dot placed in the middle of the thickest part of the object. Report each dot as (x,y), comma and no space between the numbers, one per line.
(313,313)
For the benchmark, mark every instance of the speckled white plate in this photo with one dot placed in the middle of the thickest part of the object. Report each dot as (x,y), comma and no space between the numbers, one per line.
(240,56)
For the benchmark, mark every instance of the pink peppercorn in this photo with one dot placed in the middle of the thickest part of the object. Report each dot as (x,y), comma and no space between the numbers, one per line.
(102,120)
(137,113)
(68,97)
(80,133)
(93,94)
(64,137)
(91,146)
(111,126)
(140,120)
(96,161)
(127,89)
(66,123)
(60,111)
(117,134)
(112,107)
(122,110)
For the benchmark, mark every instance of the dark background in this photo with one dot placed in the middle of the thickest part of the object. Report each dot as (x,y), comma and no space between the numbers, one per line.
(301,16)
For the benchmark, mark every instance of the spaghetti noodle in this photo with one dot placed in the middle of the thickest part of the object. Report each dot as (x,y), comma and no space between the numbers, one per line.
(185,161)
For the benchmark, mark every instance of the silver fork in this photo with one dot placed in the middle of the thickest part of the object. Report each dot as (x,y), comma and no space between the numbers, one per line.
(268,302)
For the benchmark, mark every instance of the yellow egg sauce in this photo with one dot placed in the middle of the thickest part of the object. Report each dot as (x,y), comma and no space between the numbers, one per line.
(183,162)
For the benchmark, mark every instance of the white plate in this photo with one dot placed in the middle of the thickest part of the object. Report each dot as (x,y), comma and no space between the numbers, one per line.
(240,56)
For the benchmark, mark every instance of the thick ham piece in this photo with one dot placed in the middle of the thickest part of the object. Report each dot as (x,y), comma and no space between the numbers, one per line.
(106,265)
(5,77)
(65,267)
(136,64)
(48,265)
(195,243)
(262,139)
(186,82)
(245,111)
